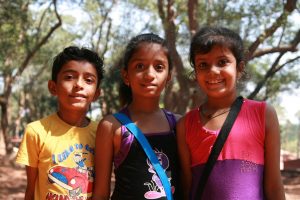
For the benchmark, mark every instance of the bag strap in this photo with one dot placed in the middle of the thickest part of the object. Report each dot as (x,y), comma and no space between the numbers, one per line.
(123,119)
(218,145)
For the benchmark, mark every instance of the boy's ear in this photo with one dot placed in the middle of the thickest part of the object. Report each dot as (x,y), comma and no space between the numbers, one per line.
(125,77)
(97,94)
(52,87)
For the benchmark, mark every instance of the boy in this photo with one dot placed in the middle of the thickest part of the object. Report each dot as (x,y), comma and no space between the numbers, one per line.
(58,150)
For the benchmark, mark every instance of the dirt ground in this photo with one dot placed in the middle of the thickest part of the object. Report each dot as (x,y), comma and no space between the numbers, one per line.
(13,181)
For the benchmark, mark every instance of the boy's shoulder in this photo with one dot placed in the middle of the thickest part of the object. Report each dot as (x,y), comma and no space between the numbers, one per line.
(93,124)
(52,118)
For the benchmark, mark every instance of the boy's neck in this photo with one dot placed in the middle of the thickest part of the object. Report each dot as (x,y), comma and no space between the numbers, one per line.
(74,119)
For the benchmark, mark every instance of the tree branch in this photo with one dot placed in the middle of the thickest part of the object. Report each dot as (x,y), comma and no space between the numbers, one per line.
(270,73)
(101,29)
(281,49)
(192,14)
(288,8)
(106,38)
(41,22)
(278,68)
(30,54)
(161,11)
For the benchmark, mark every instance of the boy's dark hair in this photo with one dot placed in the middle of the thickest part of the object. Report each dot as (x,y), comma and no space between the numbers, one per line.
(207,37)
(131,48)
(78,54)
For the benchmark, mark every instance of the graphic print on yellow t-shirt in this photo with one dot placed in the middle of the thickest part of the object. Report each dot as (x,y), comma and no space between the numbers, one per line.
(63,155)
(77,181)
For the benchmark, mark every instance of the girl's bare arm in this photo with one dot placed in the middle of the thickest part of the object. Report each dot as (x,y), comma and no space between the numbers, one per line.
(104,152)
(184,158)
(273,186)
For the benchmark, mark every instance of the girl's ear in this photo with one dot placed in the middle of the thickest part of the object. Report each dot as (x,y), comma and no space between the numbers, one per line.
(52,87)
(240,69)
(169,78)
(97,94)
(125,78)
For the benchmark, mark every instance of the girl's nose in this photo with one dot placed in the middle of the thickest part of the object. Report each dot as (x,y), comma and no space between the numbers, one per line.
(214,69)
(150,72)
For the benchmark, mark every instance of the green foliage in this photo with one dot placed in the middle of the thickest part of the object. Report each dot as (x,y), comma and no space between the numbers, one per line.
(85,24)
(12,21)
(290,137)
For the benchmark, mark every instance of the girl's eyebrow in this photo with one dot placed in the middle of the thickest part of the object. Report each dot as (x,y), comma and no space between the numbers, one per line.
(153,60)
(205,58)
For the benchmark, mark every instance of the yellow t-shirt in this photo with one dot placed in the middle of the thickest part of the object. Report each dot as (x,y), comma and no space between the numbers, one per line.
(64,156)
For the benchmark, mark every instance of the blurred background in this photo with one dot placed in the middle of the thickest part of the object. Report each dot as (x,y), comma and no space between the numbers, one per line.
(32,32)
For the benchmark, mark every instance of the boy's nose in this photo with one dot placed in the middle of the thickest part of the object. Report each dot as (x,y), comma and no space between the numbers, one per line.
(79,83)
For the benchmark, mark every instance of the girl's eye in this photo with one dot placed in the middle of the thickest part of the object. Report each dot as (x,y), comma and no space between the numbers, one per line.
(202,66)
(223,62)
(139,66)
(159,67)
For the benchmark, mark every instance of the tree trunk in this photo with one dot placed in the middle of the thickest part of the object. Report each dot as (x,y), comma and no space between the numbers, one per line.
(182,96)
(4,128)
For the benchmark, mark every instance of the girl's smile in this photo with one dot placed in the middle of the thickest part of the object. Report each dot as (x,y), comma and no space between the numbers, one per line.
(216,71)
(148,70)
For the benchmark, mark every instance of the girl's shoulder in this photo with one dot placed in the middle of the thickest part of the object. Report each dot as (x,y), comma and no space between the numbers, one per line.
(109,121)
(172,114)
(254,106)
(254,103)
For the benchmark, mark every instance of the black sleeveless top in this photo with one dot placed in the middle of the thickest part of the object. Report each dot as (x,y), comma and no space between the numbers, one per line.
(136,179)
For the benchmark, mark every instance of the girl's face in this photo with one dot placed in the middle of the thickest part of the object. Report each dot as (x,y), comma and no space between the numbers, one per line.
(148,70)
(217,72)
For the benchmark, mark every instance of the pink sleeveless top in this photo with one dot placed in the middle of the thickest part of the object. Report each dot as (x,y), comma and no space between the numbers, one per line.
(238,172)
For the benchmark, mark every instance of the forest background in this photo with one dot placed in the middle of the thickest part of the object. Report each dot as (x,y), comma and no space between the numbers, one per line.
(32,32)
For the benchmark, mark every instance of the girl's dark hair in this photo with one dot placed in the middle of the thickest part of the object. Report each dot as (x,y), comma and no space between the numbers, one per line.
(131,48)
(78,54)
(207,37)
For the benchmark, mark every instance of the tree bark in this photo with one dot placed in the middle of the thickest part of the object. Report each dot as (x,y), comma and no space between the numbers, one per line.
(11,79)
(168,16)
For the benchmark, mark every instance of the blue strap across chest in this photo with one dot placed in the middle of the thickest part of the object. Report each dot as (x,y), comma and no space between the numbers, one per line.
(123,119)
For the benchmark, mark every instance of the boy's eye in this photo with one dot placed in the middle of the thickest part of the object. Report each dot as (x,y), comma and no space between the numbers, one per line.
(68,77)
(89,80)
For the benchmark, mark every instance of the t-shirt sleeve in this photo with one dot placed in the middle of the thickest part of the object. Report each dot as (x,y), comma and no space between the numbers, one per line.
(28,153)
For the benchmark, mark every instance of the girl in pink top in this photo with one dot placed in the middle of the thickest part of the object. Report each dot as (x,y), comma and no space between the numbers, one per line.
(248,165)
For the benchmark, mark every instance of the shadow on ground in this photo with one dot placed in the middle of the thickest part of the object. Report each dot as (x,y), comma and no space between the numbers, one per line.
(13,181)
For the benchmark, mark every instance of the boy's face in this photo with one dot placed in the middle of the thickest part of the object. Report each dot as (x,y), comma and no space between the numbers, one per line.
(76,86)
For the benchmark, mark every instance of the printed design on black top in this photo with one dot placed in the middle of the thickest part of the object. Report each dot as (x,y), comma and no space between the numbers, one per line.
(156,189)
